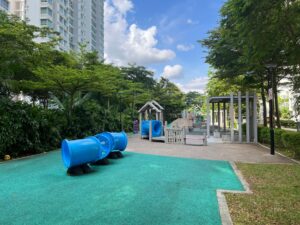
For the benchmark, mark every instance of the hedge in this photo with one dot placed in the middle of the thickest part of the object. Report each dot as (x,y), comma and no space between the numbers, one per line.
(26,129)
(288,123)
(283,139)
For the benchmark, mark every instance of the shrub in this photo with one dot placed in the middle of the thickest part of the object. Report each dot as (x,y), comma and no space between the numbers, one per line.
(26,129)
(288,123)
(291,140)
(278,137)
(264,135)
(283,139)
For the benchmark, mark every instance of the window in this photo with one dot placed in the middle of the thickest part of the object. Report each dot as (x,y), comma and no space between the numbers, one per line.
(46,11)
(46,22)
(47,1)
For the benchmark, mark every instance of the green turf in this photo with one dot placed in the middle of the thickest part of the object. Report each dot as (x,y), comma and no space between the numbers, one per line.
(138,189)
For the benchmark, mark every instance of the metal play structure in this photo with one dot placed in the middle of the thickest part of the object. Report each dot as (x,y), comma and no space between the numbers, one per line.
(223,123)
(156,130)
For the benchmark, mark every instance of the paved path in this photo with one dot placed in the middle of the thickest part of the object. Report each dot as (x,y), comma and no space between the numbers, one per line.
(247,153)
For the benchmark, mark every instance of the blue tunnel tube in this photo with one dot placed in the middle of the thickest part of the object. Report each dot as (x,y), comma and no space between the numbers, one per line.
(107,142)
(120,141)
(156,128)
(82,151)
(113,141)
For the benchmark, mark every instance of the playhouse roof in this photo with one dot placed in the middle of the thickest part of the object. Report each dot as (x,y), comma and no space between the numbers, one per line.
(153,105)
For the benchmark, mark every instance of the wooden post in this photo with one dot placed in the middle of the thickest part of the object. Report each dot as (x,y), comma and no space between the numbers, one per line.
(140,123)
(231,118)
(219,124)
(224,115)
(247,118)
(213,117)
(183,140)
(240,117)
(208,118)
(161,117)
(156,115)
(166,133)
(255,117)
(150,130)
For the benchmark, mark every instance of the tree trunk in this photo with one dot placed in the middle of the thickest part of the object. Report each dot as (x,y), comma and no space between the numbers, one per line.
(263,96)
(70,110)
(277,112)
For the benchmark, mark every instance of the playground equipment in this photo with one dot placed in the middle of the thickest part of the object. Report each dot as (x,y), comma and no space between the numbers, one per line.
(82,151)
(155,129)
(175,133)
(218,120)
(92,149)
(113,141)
(146,113)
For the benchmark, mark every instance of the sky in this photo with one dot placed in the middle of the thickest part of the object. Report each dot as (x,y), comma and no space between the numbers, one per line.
(161,35)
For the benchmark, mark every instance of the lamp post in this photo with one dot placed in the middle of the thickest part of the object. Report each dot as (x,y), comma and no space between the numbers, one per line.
(271,82)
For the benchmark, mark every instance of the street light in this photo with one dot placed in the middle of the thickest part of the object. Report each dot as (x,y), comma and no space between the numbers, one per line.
(271,68)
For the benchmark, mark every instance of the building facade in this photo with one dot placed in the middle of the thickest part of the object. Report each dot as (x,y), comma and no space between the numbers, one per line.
(4,5)
(79,22)
(88,25)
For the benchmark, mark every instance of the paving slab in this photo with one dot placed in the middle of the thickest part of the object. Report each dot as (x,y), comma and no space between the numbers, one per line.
(246,153)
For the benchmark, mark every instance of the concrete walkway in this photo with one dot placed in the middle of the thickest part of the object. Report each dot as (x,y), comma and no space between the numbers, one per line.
(246,153)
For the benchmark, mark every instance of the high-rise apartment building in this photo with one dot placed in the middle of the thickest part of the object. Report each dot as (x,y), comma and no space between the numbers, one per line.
(4,5)
(88,24)
(77,21)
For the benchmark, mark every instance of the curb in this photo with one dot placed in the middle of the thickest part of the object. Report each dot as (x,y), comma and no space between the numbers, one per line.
(278,153)
(223,207)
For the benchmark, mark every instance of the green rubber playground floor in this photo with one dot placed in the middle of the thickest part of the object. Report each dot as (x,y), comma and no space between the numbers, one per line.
(137,189)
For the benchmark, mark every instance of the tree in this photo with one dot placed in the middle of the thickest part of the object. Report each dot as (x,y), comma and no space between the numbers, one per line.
(252,34)
(20,53)
(170,97)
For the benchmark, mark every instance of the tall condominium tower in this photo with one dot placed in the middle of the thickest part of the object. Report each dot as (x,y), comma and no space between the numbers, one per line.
(77,21)
(88,24)
(4,5)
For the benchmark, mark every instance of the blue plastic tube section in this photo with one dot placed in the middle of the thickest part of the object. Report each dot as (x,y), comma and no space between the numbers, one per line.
(156,128)
(107,142)
(113,141)
(120,141)
(82,151)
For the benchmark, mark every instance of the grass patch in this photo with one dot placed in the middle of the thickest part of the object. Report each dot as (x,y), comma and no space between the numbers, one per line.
(275,198)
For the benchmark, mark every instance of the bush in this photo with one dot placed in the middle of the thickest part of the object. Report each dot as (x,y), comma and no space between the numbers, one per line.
(26,129)
(283,139)
(291,141)
(264,135)
(288,123)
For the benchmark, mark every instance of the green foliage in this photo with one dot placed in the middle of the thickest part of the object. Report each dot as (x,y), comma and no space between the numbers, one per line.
(170,97)
(284,140)
(25,129)
(289,123)
(291,141)
(85,95)
(251,35)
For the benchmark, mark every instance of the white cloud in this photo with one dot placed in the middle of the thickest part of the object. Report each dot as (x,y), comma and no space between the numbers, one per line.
(167,40)
(191,22)
(123,6)
(185,48)
(126,43)
(197,84)
(173,72)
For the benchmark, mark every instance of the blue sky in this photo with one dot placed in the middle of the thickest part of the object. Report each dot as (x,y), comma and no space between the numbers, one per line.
(162,35)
